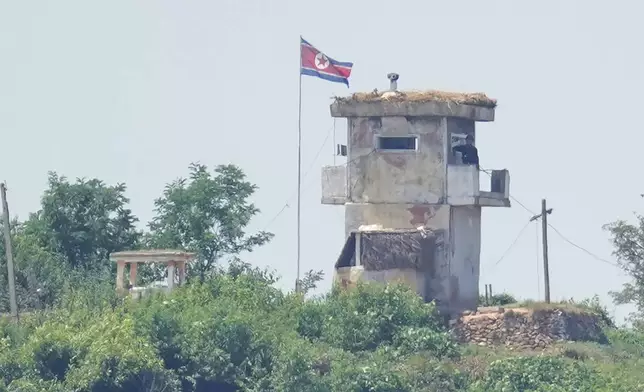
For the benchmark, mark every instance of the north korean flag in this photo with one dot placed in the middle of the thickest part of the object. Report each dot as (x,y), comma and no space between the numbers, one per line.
(316,63)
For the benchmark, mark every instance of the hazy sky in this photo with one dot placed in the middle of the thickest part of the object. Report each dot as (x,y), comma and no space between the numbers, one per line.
(133,91)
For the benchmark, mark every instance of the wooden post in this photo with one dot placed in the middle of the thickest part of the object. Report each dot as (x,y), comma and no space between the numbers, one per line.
(13,302)
(544,234)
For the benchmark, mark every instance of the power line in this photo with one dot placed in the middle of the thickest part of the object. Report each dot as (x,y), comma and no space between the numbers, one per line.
(512,244)
(582,248)
(487,171)
(559,233)
(522,205)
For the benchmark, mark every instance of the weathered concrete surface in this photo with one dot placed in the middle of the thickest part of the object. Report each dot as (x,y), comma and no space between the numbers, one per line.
(376,176)
(399,216)
(334,185)
(411,109)
(463,187)
(452,278)
(412,256)
(462,184)
(464,257)
(407,189)
(348,277)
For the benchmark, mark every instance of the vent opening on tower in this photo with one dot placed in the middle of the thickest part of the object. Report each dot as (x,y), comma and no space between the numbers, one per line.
(397,143)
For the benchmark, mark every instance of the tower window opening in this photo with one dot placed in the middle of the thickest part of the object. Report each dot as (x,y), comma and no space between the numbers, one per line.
(397,143)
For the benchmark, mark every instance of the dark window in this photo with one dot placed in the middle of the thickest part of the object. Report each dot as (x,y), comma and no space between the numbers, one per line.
(397,142)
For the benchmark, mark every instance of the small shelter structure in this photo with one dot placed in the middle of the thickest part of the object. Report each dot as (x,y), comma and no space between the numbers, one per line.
(174,260)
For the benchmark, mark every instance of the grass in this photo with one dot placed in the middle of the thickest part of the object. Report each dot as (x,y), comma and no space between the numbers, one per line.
(474,99)
(614,358)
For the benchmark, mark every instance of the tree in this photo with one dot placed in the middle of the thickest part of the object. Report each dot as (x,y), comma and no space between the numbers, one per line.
(628,243)
(39,273)
(207,214)
(83,221)
(310,281)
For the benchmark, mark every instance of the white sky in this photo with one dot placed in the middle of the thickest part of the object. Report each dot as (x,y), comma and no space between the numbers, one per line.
(134,91)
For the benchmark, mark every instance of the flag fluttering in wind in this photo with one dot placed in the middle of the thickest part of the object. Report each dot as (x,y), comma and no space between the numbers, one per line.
(316,63)
(313,63)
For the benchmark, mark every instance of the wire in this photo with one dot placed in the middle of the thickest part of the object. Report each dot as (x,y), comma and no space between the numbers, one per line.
(487,171)
(317,155)
(308,170)
(582,248)
(560,234)
(522,205)
(353,186)
(274,218)
(512,244)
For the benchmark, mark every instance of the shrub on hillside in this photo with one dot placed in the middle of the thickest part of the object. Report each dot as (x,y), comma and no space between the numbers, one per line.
(497,300)
(540,373)
(370,316)
(236,332)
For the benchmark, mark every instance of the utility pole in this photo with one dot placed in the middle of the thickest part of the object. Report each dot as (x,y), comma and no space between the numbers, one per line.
(9,251)
(544,240)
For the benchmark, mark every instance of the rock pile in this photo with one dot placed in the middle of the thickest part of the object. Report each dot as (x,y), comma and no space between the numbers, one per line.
(525,328)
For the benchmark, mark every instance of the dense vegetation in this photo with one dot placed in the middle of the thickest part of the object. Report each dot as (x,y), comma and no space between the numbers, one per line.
(230,329)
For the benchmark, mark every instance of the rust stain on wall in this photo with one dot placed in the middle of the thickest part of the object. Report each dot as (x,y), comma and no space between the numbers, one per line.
(418,214)
(421,214)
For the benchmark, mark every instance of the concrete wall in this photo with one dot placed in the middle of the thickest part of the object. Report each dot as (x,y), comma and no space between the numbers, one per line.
(462,185)
(334,185)
(398,216)
(376,176)
(350,276)
(464,257)
(409,189)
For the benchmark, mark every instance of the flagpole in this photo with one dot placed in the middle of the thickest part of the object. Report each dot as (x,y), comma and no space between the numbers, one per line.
(299,171)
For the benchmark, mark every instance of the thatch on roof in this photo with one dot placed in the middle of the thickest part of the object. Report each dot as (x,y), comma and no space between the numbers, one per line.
(474,99)
(383,250)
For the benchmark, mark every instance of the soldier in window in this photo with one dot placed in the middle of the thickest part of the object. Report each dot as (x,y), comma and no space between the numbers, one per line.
(469,153)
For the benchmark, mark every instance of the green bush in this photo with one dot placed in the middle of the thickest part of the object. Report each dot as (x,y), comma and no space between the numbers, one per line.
(539,373)
(497,300)
(371,315)
(236,332)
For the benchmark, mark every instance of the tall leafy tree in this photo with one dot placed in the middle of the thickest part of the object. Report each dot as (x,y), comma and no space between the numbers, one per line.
(207,213)
(84,221)
(39,273)
(628,243)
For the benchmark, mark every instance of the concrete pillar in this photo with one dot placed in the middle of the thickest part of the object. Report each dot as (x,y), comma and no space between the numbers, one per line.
(133,268)
(170,278)
(120,270)
(182,272)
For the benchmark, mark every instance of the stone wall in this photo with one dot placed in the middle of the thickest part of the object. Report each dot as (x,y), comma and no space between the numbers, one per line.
(526,328)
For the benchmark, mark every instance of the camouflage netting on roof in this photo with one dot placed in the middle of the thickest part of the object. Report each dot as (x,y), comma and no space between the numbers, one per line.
(474,99)
(383,250)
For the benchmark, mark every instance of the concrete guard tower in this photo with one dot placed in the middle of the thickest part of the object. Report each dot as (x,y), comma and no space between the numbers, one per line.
(412,208)
(174,260)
